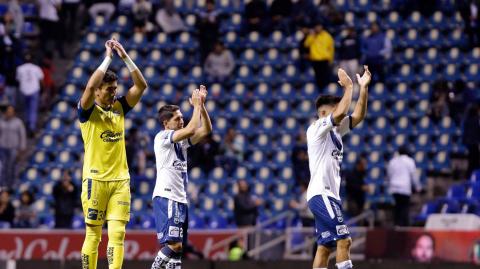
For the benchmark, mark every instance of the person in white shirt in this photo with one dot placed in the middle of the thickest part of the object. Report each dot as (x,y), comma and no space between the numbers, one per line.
(402,176)
(219,64)
(170,204)
(30,77)
(169,19)
(325,152)
(50,26)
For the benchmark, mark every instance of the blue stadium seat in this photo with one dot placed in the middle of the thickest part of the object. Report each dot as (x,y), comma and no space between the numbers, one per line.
(268,126)
(290,125)
(267,74)
(427,209)
(195,222)
(256,159)
(234,109)
(250,58)
(216,221)
(263,91)
(78,222)
(456,192)
(282,109)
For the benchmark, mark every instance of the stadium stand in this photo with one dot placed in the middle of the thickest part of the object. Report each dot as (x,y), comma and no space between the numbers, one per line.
(268,101)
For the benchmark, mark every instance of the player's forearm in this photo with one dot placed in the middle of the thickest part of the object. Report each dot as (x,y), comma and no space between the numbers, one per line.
(195,120)
(360,110)
(139,81)
(343,106)
(206,122)
(94,82)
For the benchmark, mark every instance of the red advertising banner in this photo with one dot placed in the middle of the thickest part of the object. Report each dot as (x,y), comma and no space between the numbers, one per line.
(423,246)
(66,244)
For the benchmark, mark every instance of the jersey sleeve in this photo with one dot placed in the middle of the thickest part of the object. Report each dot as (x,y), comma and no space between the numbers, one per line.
(187,143)
(319,128)
(345,126)
(165,138)
(125,106)
(84,114)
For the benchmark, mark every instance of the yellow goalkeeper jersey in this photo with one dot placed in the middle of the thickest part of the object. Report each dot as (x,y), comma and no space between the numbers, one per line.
(103,133)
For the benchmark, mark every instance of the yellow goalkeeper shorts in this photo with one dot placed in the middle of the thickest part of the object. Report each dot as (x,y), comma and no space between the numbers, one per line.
(105,200)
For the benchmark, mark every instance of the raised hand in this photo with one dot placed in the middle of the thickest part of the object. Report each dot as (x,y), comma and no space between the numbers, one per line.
(343,79)
(196,99)
(109,48)
(365,79)
(203,93)
(119,48)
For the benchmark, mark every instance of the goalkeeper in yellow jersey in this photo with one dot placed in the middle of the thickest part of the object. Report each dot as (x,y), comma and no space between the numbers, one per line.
(106,181)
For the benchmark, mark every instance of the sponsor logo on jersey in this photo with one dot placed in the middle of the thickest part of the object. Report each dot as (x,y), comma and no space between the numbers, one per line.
(326,234)
(337,154)
(180,166)
(123,203)
(110,136)
(92,214)
(342,229)
(175,231)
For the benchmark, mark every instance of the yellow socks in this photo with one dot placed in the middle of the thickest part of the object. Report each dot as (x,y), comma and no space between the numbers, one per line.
(116,236)
(93,235)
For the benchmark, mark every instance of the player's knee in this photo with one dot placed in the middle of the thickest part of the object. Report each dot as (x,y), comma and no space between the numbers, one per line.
(344,244)
(323,251)
(116,232)
(176,246)
(93,235)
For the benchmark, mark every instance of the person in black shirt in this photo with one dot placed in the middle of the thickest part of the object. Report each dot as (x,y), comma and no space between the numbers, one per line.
(65,194)
(349,52)
(7,211)
(355,187)
(245,206)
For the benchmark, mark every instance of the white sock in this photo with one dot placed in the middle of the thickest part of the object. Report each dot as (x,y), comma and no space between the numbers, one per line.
(345,265)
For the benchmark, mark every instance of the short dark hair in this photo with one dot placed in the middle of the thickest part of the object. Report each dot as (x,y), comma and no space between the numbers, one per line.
(327,100)
(109,76)
(166,112)
(403,150)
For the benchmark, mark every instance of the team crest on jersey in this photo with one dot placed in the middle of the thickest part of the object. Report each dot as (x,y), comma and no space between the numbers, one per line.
(342,229)
(337,154)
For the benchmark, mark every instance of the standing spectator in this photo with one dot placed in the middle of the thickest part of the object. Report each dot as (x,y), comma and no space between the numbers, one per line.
(402,174)
(245,206)
(50,26)
(376,48)
(232,150)
(219,64)
(303,51)
(65,195)
(330,13)
(103,7)
(469,10)
(300,160)
(29,77)
(169,19)
(69,17)
(15,10)
(256,17)
(349,52)
(48,89)
(25,216)
(204,154)
(356,187)
(13,141)
(322,49)
(208,24)
(304,14)
(280,15)
(237,251)
(301,205)
(439,101)
(136,154)
(7,211)
(471,136)
(141,10)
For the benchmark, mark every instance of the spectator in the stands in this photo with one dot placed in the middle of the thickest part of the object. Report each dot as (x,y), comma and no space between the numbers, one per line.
(7,211)
(322,50)
(304,14)
(457,100)
(10,57)
(169,19)
(136,145)
(301,206)
(69,18)
(65,195)
(330,13)
(208,24)
(25,215)
(469,10)
(102,7)
(255,17)
(219,64)
(349,52)
(141,9)
(439,101)
(15,10)
(402,177)
(204,154)
(50,26)
(303,51)
(245,206)
(231,150)
(471,136)
(280,15)
(356,187)
(300,160)
(30,77)
(376,50)
(48,84)
(237,251)
(13,142)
